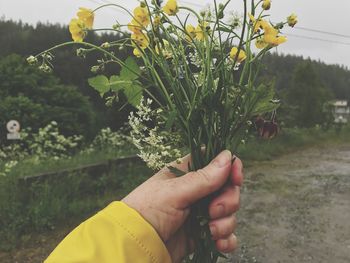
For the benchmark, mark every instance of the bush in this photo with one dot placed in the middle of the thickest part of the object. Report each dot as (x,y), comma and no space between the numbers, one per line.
(35,99)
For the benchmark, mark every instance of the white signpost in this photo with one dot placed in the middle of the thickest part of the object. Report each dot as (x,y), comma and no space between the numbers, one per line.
(13,127)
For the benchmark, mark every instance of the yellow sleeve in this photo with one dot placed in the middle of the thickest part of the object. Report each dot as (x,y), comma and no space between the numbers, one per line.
(117,234)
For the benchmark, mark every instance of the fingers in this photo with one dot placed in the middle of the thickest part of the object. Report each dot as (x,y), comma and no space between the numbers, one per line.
(226,203)
(237,172)
(228,244)
(222,231)
(223,227)
(196,185)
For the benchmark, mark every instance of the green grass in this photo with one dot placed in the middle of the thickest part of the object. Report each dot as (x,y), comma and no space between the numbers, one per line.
(32,206)
(31,166)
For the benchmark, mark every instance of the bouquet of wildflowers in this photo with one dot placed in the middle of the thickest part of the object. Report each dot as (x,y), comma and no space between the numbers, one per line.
(192,77)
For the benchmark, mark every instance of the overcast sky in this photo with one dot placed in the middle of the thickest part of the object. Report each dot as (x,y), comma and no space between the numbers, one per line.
(329,16)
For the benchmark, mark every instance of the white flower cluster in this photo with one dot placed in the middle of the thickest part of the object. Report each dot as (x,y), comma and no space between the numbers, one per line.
(47,143)
(157,147)
(107,139)
(8,167)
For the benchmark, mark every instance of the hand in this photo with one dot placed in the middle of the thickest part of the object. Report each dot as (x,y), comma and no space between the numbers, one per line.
(165,201)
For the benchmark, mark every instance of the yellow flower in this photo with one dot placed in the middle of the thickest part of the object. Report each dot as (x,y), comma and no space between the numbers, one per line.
(141,16)
(156,20)
(292,20)
(134,27)
(87,16)
(260,43)
(137,52)
(271,36)
(241,55)
(258,24)
(171,8)
(200,30)
(140,40)
(266,5)
(165,49)
(77,29)
(191,32)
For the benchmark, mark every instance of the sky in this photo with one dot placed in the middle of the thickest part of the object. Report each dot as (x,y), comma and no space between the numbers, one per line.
(328,16)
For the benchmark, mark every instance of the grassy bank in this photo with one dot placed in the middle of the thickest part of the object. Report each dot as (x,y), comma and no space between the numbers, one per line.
(28,207)
(290,140)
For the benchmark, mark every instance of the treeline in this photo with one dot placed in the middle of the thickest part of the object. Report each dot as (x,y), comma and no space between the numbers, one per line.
(303,85)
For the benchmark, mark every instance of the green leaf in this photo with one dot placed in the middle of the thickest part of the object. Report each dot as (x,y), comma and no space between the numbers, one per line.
(131,71)
(263,100)
(133,94)
(170,120)
(225,29)
(117,83)
(176,171)
(100,83)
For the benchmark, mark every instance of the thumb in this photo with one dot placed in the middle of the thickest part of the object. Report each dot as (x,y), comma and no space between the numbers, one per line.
(196,185)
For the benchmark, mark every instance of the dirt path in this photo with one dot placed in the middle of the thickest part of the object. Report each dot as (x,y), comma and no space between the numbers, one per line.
(297,209)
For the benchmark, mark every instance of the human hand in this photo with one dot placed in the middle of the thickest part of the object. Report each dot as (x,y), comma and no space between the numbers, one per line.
(165,201)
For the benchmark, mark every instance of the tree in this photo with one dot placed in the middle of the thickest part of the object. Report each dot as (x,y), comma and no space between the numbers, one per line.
(307,96)
(35,99)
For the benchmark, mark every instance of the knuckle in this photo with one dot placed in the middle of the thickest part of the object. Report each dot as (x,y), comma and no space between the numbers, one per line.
(205,178)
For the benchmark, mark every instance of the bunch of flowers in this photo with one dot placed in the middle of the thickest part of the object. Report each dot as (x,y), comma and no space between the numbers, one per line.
(200,71)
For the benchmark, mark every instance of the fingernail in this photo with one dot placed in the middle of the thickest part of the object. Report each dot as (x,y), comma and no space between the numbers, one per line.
(222,159)
(213,230)
(218,211)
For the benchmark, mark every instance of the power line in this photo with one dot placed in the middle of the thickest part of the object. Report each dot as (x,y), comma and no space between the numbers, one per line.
(319,39)
(321,32)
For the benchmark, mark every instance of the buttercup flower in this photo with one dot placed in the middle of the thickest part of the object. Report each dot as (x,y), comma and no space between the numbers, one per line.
(87,16)
(292,20)
(271,36)
(266,5)
(191,32)
(156,20)
(260,43)
(171,8)
(134,27)
(142,16)
(140,40)
(241,55)
(200,30)
(137,52)
(165,49)
(77,29)
(258,24)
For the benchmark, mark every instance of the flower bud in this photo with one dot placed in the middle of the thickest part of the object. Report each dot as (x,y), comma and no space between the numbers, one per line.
(32,60)
(95,69)
(81,52)
(106,45)
(116,26)
(45,68)
(143,4)
(266,5)
(47,56)
(292,20)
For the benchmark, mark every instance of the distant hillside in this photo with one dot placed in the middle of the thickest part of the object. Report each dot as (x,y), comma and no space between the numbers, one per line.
(281,67)
(25,40)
